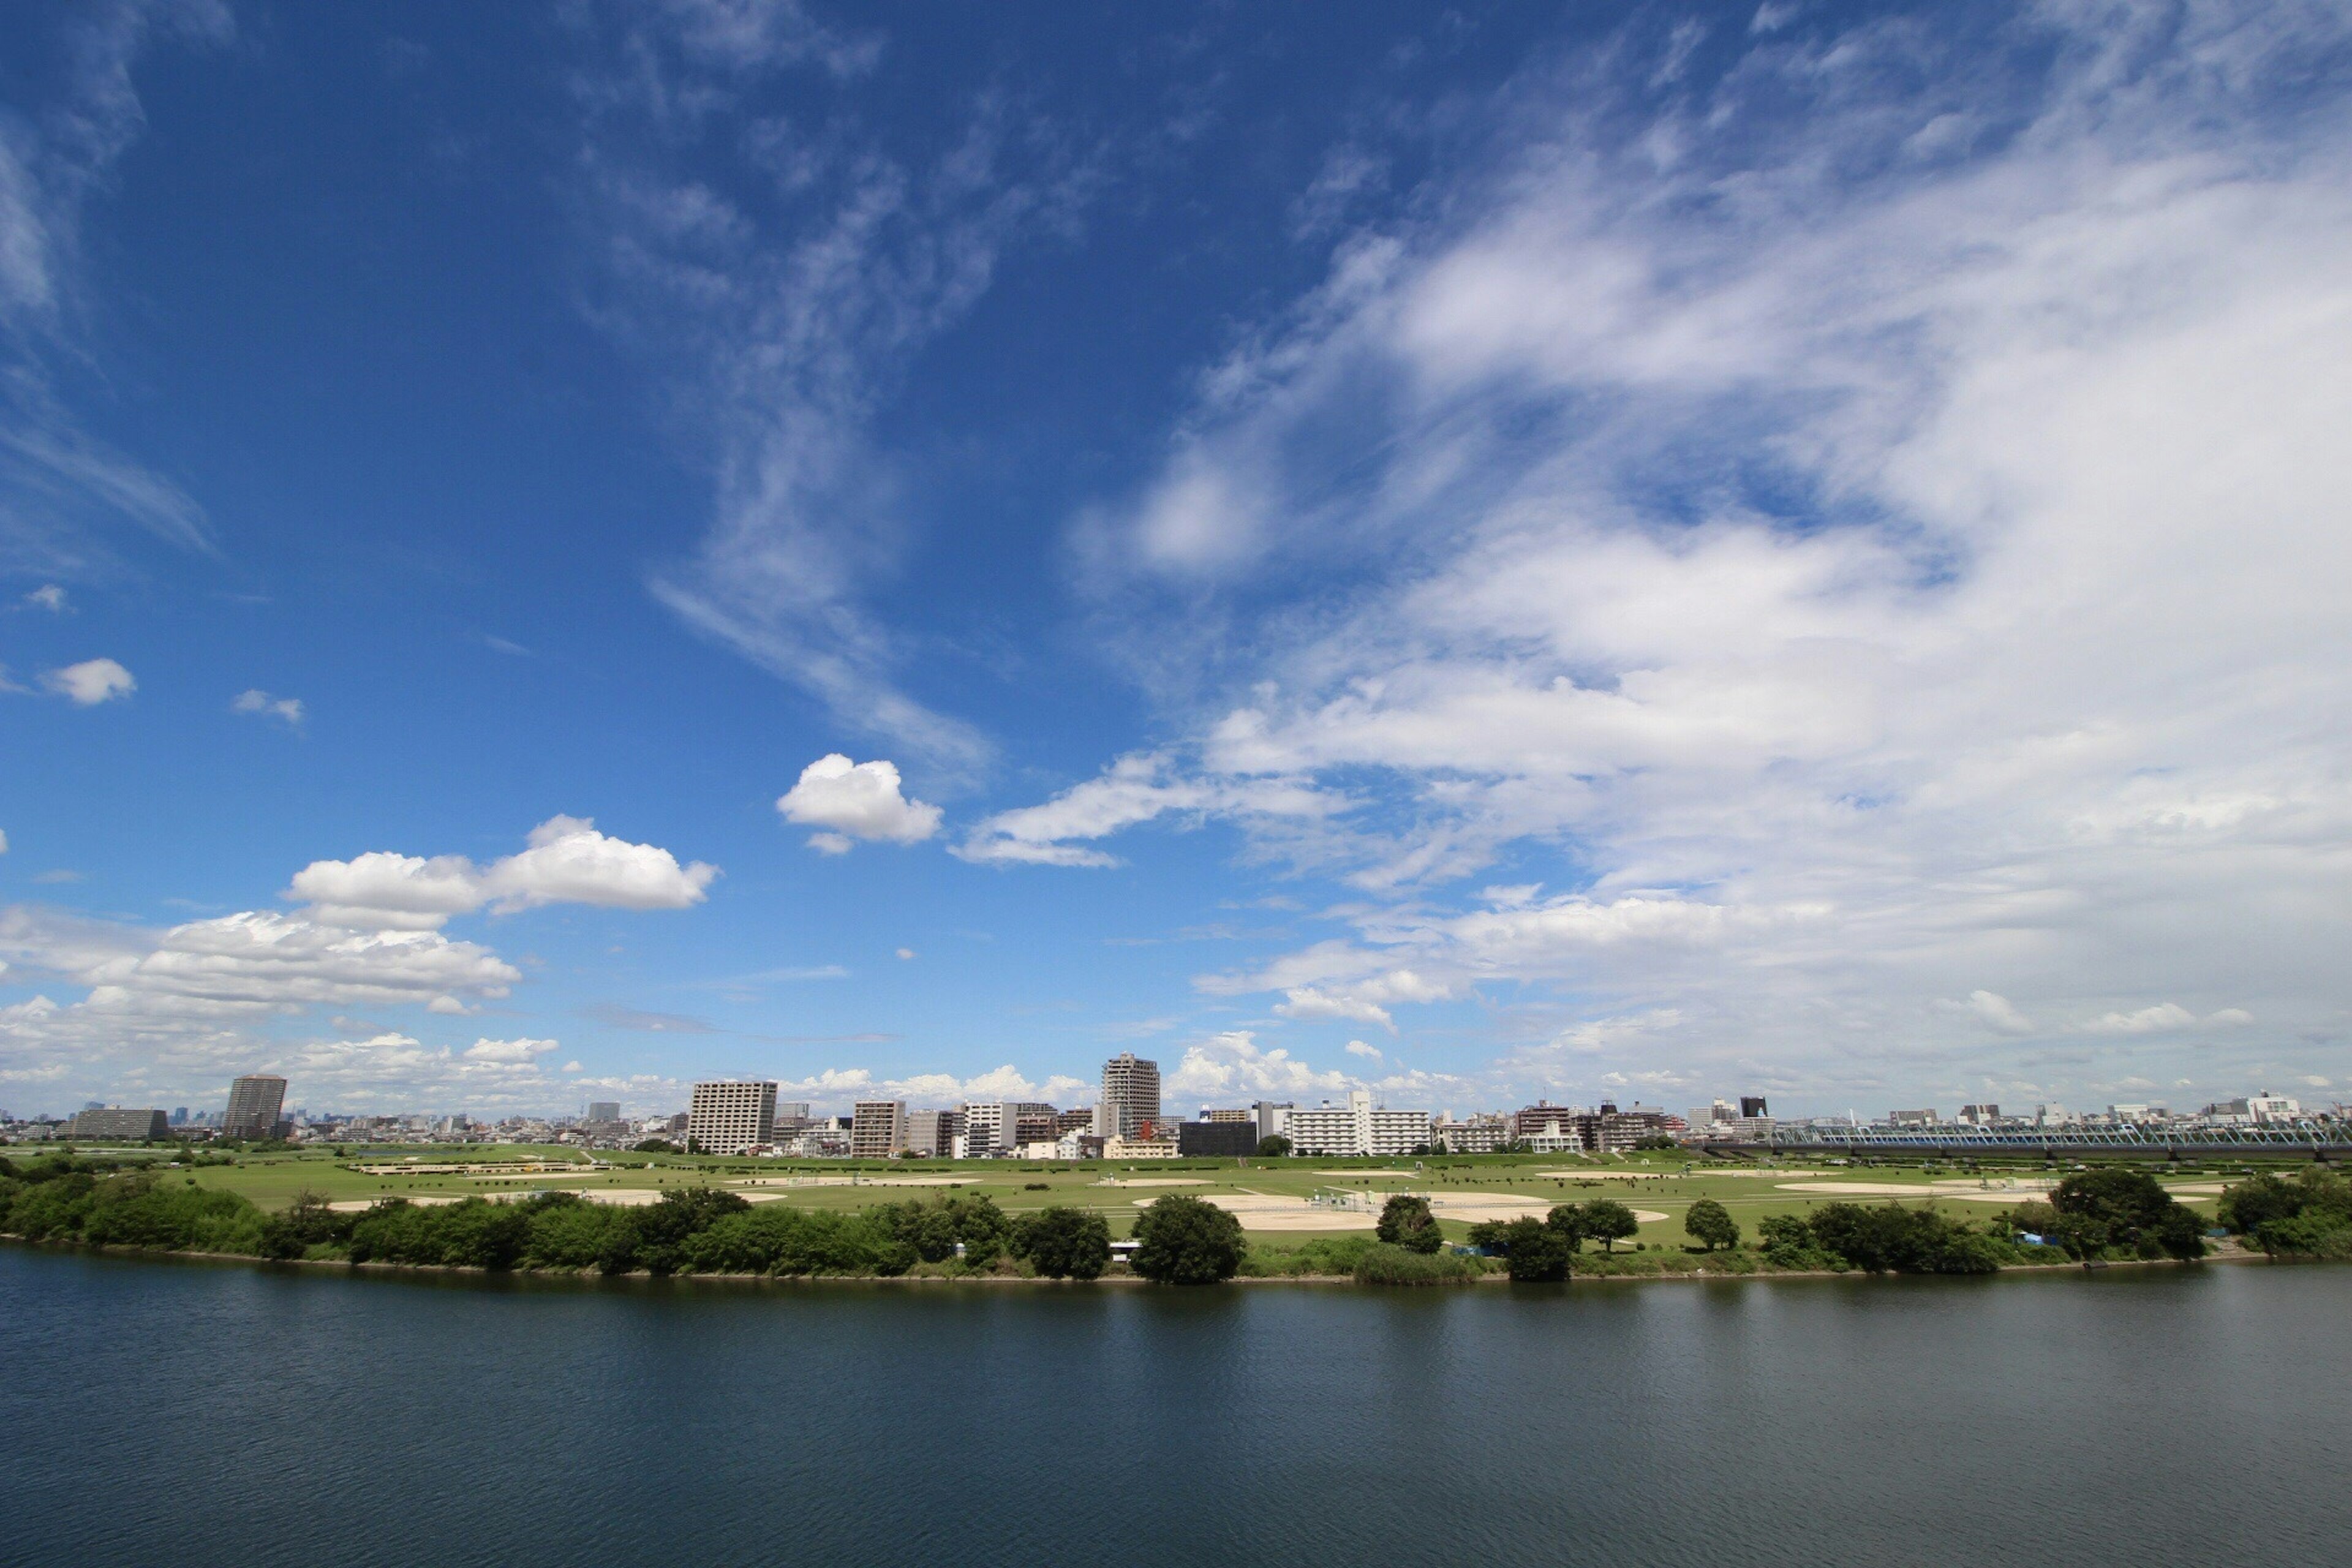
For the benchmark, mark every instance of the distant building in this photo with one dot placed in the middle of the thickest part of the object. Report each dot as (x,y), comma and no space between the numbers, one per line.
(1912,1118)
(1273,1119)
(1980,1115)
(255,1104)
(1548,1129)
(1217,1139)
(1480,1134)
(1069,1122)
(1137,1148)
(933,1132)
(1242,1114)
(1130,1095)
(604,1111)
(878,1129)
(178,1116)
(1752,1105)
(988,1130)
(114,1122)
(732,1116)
(1357,1128)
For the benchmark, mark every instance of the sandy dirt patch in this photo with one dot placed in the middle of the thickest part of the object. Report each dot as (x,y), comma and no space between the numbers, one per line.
(1154,1181)
(422,1200)
(1267,1211)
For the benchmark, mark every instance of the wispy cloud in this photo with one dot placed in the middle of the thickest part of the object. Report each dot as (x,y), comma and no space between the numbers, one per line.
(783,295)
(61,490)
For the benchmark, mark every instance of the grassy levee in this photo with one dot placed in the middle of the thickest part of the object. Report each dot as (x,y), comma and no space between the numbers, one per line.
(1663,1184)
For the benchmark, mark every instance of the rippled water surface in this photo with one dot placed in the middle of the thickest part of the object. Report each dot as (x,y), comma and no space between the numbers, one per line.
(174,1412)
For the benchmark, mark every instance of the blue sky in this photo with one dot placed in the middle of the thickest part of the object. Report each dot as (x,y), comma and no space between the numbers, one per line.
(1650,551)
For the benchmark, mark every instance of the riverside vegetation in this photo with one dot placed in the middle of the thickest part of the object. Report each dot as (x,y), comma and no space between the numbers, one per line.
(2097,1215)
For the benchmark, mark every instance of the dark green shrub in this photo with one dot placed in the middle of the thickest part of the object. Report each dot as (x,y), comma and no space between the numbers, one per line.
(1186,1241)
(1406,1221)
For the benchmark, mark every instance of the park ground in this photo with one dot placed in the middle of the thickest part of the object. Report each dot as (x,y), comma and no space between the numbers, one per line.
(1283,1203)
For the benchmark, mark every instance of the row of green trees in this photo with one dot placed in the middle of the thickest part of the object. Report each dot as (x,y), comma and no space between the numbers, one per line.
(2308,1215)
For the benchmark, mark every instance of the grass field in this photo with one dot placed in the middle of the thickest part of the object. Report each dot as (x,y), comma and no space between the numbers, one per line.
(1271,1196)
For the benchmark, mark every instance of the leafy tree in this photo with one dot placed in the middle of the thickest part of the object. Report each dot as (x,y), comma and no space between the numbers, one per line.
(1609,1222)
(1406,1221)
(1186,1241)
(654,1146)
(1064,1243)
(1534,1252)
(2130,1211)
(1891,1238)
(1655,1141)
(1273,1148)
(1711,1225)
(1567,1220)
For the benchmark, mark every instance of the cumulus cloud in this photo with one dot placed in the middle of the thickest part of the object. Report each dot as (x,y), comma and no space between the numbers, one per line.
(91,683)
(1234,1065)
(855,800)
(566,861)
(288,709)
(1359,1048)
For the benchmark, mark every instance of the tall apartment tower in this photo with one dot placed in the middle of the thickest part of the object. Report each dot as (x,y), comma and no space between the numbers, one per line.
(1130,1096)
(253,1104)
(878,1129)
(729,1118)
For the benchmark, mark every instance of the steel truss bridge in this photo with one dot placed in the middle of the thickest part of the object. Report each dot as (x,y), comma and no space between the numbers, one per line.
(2314,1140)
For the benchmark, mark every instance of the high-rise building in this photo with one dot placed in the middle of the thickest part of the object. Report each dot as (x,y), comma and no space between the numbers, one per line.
(878,1129)
(254,1101)
(178,1116)
(1215,1140)
(604,1111)
(1130,1096)
(1273,1119)
(730,1117)
(1752,1105)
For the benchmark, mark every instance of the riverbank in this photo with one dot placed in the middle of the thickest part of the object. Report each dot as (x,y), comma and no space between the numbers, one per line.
(2225,1253)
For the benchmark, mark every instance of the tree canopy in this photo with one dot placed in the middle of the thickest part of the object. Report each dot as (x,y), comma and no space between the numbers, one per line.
(1710,1225)
(1406,1221)
(1185,1241)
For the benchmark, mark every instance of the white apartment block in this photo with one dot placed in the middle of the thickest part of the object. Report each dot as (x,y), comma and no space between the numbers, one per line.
(987,1131)
(730,1117)
(877,1129)
(1357,1128)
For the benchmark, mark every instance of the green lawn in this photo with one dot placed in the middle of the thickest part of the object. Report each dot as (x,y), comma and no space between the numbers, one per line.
(1659,1184)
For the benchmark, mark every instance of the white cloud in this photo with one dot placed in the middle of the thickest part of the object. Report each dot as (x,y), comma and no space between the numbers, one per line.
(511,1052)
(1366,1000)
(2163,1018)
(1233,1065)
(1880,539)
(1359,1048)
(859,800)
(1135,789)
(904,953)
(49,597)
(1992,1010)
(567,861)
(3,844)
(288,709)
(91,683)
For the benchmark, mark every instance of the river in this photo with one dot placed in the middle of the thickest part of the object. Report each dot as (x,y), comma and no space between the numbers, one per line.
(186,1413)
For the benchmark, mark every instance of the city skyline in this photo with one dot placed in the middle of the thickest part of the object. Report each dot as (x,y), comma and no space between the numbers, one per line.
(1479,559)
